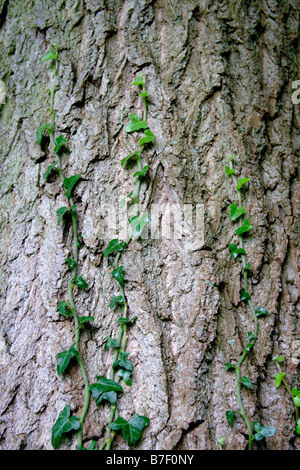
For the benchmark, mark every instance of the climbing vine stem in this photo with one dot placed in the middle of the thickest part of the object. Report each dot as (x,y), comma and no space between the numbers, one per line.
(237,213)
(65,422)
(122,368)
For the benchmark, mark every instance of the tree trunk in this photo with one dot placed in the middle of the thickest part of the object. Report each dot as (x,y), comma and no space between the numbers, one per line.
(219,76)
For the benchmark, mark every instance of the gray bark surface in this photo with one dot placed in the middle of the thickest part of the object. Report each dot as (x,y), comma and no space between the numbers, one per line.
(219,76)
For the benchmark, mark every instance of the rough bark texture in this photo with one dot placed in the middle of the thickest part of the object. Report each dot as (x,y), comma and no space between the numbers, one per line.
(219,76)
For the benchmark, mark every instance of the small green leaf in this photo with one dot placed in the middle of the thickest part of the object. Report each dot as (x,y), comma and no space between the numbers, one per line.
(229,171)
(246,382)
(126,321)
(247,267)
(235,251)
(64,308)
(131,156)
(144,94)
(138,224)
(71,263)
(132,429)
(296,392)
(111,343)
(278,378)
(141,173)
(267,431)
(232,157)
(85,319)
(244,228)
(63,425)
(244,295)
(261,311)
(116,300)
(138,81)
(60,141)
(125,374)
(50,170)
(64,358)
(236,212)
(50,55)
(297,401)
(40,132)
(62,212)
(297,429)
(118,274)
(80,282)
(230,416)
(123,362)
(149,136)
(105,389)
(135,124)
(70,183)
(256,426)
(114,245)
(241,182)
(229,366)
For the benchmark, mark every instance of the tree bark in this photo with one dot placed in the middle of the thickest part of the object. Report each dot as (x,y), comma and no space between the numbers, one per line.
(219,76)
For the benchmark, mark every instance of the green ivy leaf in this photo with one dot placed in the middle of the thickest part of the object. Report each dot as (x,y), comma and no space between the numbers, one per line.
(278,378)
(138,81)
(297,429)
(232,157)
(85,319)
(50,55)
(149,136)
(123,362)
(112,343)
(105,389)
(263,431)
(229,171)
(131,156)
(144,94)
(132,429)
(230,416)
(229,366)
(135,124)
(64,308)
(126,321)
(297,401)
(244,228)
(241,182)
(80,282)
(141,173)
(261,311)
(246,382)
(60,141)
(40,132)
(70,183)
(279,359)
(114,245)
(244,295)
(118,274)
(71,263)
(62,212)
(116,300)
(63,425)
(235,251)
(296,392)
(236,212)
(50,170)
(138,224)
(247,267)
(125,374)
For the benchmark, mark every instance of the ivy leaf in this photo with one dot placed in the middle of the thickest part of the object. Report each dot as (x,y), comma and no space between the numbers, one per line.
(63,425)
(138,81)
(80,282)
(118,274)
(278,378)
(50,170)
(131,156)
(62,212)
(85,319)
(246,382)
(105,389)
(123,201)
(263,431)
(125,374)
(247,267)
(40,132)
(138,224)
(229,171)
(50,55)
(149,136)
(229,366)
(297,429)
(256,426)
(123,362)
(230,416)
(64,308)
(241,182)
(296,392)
(141,173)
(126,321)
(235,251)
(250,336)
(64,358)
(60,141)
(261,311)
(297,401)
(111,343)
(144,94)
(232,157)
(244,228)
(278,359)
(71,263)
(244,295)
(132,429)
(70,183)
(135,124)
(115,300)
(236,212)
(114,245)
